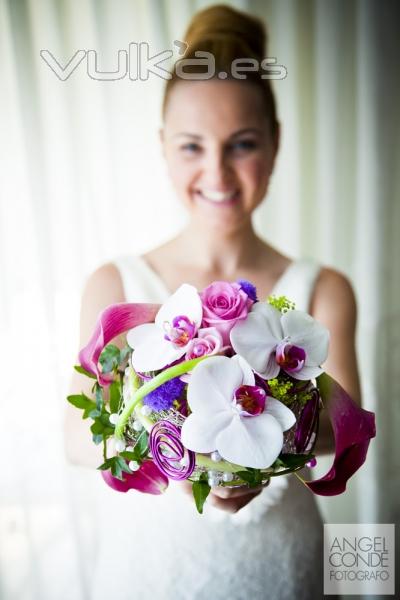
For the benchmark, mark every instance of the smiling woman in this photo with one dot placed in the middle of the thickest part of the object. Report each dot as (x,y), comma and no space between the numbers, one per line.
(220,155)
(220,138)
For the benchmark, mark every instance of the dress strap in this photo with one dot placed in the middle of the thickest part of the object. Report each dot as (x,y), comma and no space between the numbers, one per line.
(140,283)
(298,281)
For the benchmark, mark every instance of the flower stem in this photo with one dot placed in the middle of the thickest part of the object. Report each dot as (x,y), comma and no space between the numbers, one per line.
(150,386)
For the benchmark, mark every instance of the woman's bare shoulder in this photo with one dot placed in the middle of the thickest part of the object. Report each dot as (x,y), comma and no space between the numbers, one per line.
(105,282)
(102,288)
(333,286)
(334,300)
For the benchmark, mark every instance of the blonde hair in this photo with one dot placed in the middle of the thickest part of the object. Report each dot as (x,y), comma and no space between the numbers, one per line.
(227,34)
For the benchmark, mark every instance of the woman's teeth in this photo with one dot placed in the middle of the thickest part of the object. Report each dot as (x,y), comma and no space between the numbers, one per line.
(215,196)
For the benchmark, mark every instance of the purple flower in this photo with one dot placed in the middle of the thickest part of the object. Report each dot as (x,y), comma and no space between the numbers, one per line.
(148,480)
(248,288)
(163,397)
(208,341)
(307,423)
(224,304)
(353,428)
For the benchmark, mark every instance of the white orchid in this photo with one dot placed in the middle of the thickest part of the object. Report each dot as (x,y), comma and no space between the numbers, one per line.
(158,344)
(270,341)
(232,415)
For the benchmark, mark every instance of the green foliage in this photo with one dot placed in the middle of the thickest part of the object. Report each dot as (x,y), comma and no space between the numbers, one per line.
(84,403)
(115,396)
(142,444)
(292,461)
(118,466)
(101,427)
(253,477)
(140,450)
(124,354)
(112,357)
(99,396)
(84,372)
(200,490)
(109,358)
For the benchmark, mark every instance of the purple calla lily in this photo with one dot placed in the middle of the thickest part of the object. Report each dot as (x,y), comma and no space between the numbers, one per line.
(353,428)
(148,480)
(112,321)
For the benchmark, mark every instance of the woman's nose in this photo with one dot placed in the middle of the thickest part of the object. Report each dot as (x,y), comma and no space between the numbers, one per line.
(217,172)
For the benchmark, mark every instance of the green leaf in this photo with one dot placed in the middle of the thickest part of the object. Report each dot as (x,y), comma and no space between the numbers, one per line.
(109,358)
(293,461)
(115,396)
(109,431)
(142,445)
(200,490)
(81,401)
(99,397)
(116,469)
(105,419)
(124,354)
(106,465)
(253,477)
(122,463)
(97,439)
(97,427)
(84,372)
(130,455)
(93,414)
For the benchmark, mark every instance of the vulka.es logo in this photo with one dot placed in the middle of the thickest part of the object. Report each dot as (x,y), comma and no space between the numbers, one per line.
(138,64)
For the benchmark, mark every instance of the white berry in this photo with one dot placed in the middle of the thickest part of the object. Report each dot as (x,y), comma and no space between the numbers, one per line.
(114,418)
(120,445)
(146,410)
(215,456)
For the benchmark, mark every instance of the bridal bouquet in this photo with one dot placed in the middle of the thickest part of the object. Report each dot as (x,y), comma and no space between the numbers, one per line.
(216,387)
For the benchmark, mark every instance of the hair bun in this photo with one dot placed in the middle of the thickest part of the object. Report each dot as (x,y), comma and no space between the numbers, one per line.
(227,33)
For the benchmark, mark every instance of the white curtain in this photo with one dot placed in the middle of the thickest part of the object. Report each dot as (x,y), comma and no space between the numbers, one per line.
(82,180)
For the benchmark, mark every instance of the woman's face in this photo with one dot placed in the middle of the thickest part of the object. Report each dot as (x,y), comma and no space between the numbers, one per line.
(219,151)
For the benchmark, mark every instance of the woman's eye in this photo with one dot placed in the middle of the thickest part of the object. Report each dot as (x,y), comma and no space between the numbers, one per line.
(244,145)
(190,147)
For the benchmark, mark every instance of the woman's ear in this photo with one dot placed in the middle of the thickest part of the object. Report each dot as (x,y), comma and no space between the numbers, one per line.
(277,139)
(161,138)
(276,143)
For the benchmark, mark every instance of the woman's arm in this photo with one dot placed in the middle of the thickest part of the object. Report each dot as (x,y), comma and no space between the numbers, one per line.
(334,305)
(103,287)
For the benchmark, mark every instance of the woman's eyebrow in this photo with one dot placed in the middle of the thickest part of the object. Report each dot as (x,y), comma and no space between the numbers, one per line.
(184,134)
(246,130)
(235,134)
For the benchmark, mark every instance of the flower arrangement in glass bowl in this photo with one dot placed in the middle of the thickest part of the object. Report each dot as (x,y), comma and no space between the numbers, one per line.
(218,388)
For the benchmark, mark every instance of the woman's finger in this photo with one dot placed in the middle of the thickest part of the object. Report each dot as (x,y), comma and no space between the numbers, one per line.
(231,492)
(232,505)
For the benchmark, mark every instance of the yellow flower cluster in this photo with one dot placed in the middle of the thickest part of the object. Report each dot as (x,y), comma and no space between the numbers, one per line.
(282,303)
(282,390)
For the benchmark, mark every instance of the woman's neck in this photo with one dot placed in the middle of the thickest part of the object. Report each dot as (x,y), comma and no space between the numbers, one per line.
(219,252)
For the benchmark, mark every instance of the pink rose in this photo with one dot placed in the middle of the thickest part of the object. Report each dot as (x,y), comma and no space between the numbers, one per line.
(208,341)
(223,305)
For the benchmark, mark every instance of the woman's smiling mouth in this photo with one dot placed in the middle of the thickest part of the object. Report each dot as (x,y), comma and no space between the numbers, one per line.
(218,197)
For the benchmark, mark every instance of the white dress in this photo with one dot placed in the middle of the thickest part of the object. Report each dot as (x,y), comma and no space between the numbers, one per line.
(159,548)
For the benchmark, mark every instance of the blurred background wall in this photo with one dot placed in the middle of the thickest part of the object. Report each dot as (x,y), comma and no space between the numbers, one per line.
(82,180)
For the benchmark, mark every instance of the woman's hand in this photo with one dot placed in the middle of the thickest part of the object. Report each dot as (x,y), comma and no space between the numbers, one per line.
(229,499)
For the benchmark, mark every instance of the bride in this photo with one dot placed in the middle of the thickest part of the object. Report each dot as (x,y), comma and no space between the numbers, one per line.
(220,138)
